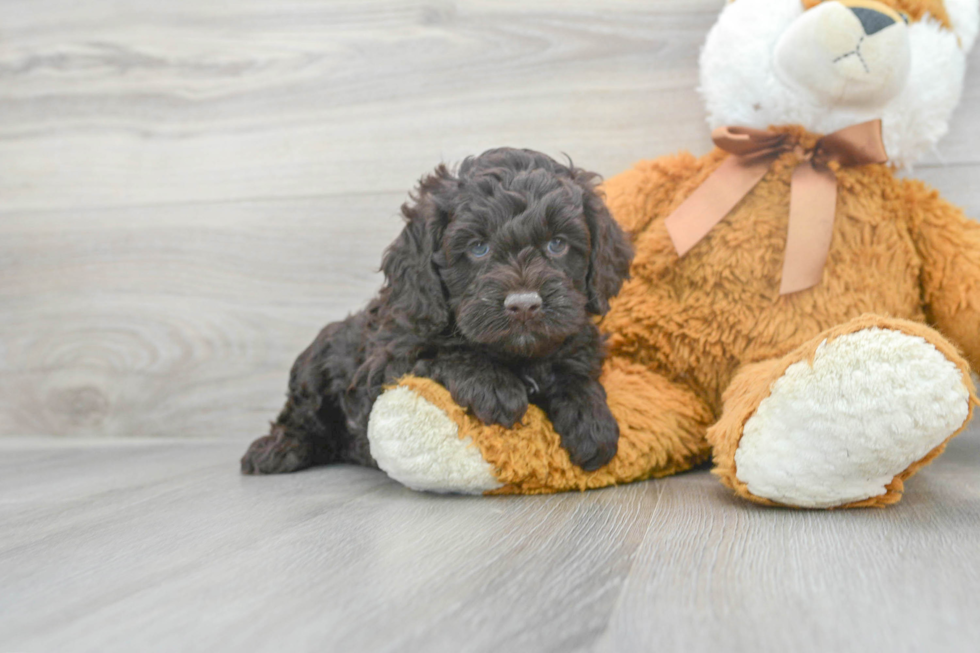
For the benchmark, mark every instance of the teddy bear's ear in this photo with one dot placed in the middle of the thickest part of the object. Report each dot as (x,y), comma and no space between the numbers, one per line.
(964,15)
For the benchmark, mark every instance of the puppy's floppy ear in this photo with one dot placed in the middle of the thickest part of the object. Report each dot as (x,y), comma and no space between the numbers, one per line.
(415,295)
(609,261)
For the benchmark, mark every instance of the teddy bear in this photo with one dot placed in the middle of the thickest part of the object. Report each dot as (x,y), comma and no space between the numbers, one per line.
(798,314)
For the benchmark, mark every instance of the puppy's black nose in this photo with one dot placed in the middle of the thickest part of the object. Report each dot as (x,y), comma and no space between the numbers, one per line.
(872,20)
(523,305)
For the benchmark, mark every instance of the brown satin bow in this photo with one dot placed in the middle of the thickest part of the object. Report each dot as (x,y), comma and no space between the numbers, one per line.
(813,194)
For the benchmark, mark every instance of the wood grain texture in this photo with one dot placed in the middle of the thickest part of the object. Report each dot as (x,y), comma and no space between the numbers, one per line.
(175,321)
(190,190)
(140,103)
(160,546)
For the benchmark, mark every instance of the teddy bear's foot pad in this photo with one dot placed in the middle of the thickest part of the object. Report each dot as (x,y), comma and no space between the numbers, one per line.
(418,445)
(839,430)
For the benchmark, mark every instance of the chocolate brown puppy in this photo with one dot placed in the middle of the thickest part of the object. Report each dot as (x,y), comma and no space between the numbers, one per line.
(490,290)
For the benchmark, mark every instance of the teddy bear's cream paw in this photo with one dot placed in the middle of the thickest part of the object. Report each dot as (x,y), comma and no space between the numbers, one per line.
(838,431)
(417,444)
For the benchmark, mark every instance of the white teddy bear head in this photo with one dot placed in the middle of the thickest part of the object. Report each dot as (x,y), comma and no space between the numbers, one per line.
(827,65)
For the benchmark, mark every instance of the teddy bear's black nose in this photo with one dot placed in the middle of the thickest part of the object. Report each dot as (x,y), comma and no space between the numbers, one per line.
(872,20)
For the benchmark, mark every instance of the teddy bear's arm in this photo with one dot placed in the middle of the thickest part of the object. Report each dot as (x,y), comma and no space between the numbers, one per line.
(949,244)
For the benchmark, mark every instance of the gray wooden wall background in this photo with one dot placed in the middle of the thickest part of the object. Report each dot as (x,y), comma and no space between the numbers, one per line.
(190,189)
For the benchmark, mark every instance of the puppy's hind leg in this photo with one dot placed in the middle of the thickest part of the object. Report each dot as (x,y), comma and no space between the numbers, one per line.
(277,453)
(305,434)
(312,428)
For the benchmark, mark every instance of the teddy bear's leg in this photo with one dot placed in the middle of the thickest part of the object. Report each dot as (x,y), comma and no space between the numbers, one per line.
(845,419)
(422,439)
(949,245)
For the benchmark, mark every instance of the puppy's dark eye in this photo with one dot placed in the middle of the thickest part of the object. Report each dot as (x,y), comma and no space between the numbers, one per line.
(479,250)
(557,246)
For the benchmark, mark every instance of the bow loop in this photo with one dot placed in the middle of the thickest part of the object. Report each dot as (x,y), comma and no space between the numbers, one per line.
(857,145)
(748,142)
(812,199)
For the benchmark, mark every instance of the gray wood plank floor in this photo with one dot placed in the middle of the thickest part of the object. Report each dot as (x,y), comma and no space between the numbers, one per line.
(161,546)
(189,190)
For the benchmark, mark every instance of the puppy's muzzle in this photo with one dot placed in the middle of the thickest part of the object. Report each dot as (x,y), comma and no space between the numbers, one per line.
(523,306)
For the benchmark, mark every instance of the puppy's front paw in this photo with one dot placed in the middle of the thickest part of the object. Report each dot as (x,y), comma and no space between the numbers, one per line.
(496,396)
(589,432)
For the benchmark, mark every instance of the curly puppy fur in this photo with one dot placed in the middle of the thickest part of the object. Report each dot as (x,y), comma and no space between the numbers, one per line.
(489,290)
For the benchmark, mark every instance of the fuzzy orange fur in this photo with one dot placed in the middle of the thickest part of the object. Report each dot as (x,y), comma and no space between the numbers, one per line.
(697,319)
(898,251)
